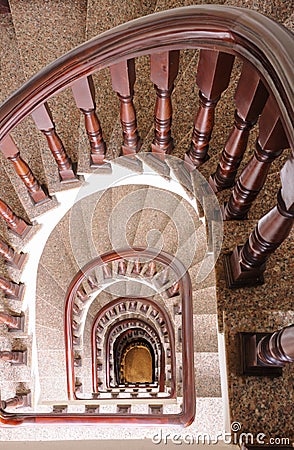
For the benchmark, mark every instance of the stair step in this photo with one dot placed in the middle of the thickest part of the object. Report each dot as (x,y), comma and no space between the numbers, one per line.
(204,301)
(205,333)
(207,373)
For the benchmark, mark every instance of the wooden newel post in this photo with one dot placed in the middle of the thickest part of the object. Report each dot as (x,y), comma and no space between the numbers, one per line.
(43,120)
(12,290)
(164,70)
(12,258)
(15,357)
(213,77)
(36,192)
(245,266)
(14,323)
(277,348)
(265,354)
(123,76)
(15,223)
(269,145)
(250,99)
(83,92)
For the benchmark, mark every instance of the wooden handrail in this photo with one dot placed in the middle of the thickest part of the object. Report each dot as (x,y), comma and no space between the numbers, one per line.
(252,36)
(188,408)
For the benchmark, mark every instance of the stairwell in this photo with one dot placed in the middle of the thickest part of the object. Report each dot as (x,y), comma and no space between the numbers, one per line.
(62,240)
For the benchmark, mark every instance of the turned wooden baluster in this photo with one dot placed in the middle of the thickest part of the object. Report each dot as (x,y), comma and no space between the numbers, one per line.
(151,270)
(250,98)
(12,258)
(15,357)
(43,120)
(122,267)
(14,323)
(15,223)
(123,76)
(11,290)
(164,69)
(83,92)
(21,400)
(36,192)
(269,145)
(277,348)
(213,77)
(245,266)
(174,290)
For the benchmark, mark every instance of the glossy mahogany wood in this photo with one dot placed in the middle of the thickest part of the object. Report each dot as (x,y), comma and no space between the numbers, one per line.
(123,76)
(213,77)
(36,192)
(12,258)
(250,98)
(270,144)
(15,223)
(11,290)
(84,95)
(163,72)
(43,119)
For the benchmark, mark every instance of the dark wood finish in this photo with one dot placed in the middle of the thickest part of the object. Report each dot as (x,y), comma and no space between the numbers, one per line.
(14,323)
(15,357)
(15,223)
(250,98)
(247,34)
(123,76)
(4,7)
(84,95)
(245,266)
(164,70)
(21,400)
(188,406)
(213,77)
(43,120)
(12,290)
(13,259)
(221,28)
(36,192)
(249,362)
(277,348)
(264,354)
(269,145)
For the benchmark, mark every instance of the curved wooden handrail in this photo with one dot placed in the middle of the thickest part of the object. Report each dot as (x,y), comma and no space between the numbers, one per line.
(188,409)
(258,39)
(187,414)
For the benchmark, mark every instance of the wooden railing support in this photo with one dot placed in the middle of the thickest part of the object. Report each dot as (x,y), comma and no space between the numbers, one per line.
(13,259)
(15,357)
(15,223)
(21,400)
(43,120)
(250,99)
(213,77)
(123,76)
(84,95)
(12,290)
(164,70)
(14,323)
(245,266)
(269,145)
(36,192)
(265,354)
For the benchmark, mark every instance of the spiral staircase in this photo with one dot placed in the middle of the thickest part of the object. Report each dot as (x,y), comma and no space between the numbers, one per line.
(104,240)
